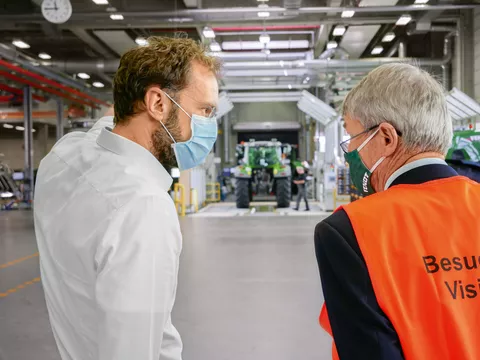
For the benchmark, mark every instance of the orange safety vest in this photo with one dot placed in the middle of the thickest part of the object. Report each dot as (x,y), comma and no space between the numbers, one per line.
(421,245)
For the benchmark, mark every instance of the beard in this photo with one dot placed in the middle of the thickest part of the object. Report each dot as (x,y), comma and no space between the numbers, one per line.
(162,142)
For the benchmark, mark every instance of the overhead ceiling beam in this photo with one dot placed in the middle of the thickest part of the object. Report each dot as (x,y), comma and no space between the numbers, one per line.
(238,13)
(8,23)
(90,41)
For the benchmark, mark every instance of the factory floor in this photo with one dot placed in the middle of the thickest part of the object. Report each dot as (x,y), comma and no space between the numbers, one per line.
(248,290)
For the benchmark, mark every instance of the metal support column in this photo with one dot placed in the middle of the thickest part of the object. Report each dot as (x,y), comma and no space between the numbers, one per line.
(307,138)
(60,124)
(226,138)
(93,113)
(28,142)
(402,50)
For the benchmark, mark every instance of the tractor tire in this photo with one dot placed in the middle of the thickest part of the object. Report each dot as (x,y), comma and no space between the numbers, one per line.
(242,193)
(284,192)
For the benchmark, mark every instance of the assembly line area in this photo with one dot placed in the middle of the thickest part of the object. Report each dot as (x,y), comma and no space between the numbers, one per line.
(236,286)
(248,152)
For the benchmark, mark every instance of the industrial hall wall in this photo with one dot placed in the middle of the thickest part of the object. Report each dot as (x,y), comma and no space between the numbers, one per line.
(12,146)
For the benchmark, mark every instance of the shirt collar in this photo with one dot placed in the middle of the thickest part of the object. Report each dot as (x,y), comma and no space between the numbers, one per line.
(124,147)
(413,165)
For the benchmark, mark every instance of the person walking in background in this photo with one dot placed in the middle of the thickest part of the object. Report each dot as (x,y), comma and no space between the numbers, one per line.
(107,229)
(301,182)
(399,268)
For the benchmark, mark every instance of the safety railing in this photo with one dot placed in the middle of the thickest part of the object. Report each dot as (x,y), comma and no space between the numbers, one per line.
(179,198)
(212,193)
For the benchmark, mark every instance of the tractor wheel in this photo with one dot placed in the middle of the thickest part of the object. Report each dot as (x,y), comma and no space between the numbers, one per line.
(284,192)
(242,193)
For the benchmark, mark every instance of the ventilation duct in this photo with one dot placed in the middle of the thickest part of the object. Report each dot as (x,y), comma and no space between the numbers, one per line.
(338,52)
(316,108)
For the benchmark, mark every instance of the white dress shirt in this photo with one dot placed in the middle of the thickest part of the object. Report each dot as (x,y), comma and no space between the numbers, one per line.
(109,242)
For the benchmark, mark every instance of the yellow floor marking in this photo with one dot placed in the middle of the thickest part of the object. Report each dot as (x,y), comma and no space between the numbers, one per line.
(17,261)
(19,287)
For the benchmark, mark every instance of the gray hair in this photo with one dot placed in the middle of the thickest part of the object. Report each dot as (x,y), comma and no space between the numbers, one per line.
(408,98)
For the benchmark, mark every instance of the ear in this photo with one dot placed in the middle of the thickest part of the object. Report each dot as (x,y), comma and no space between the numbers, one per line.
(389,138)
(157,104)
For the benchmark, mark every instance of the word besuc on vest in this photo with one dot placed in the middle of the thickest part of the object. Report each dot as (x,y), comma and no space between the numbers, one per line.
(456,288)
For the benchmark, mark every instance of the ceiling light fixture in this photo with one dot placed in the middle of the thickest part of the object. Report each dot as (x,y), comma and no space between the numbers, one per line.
(100,2)
(285,72)
(116,16)
(215,46)
(20,44)
(332,45)
(83,76)
(264,38)
(46,63)
(98,84)
(19,128)
(339,30)
(348,13)
(388,37)
(263,13)
(266,51)
(290,86)
(208,32)
(141,41)
(403,20)
(44,56)
(377,50)
(33,130)
(8,126)
(420,2)
(272,45)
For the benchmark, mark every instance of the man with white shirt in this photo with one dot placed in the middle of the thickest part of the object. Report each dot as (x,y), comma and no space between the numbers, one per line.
(106,227)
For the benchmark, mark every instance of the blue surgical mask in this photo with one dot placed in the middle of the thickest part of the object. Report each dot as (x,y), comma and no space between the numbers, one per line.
(193,152)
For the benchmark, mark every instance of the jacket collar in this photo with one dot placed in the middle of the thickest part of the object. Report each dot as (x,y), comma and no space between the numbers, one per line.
(424,173)
(137,155)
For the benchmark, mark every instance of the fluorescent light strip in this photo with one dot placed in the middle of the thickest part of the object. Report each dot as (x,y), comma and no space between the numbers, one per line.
(20,44)
(44,56)
(272,45)
(19,128)
(348,13)
(404,20)
(98,84)
(332,45)
(116,16)
(141,41)
(339,30)
(8,126)
(208,32)
(377,50)
(264,38)
(388,37)
(83,76)
(100,2)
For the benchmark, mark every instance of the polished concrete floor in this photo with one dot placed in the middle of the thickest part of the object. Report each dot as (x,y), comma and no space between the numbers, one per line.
(248,290)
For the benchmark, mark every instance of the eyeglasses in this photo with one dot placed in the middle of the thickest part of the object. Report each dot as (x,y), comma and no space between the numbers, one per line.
(344,144)
(208,111)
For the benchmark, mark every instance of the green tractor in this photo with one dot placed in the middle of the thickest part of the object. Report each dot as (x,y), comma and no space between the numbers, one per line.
(264,167)
(464,155)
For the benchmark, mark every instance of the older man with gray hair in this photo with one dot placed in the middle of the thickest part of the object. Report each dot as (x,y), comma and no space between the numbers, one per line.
(400,268)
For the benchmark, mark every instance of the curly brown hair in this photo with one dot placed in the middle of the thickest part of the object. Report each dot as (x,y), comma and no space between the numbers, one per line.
(165,62)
